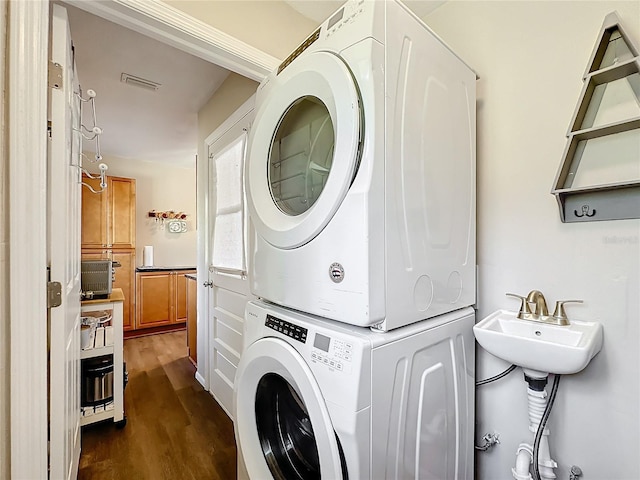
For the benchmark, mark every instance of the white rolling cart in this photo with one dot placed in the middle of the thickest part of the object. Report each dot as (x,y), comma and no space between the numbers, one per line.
(107,341)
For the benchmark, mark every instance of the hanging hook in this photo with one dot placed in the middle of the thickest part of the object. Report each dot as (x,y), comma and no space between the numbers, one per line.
(95,159)
(95,130)
(585,211)
(102,176)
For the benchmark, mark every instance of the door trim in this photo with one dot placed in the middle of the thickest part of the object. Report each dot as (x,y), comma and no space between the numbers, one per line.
(27,84)
(205,295)
(28,25)
(169,25)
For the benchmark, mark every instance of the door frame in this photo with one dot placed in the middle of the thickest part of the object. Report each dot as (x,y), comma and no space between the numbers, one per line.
(27,49)
(205,236)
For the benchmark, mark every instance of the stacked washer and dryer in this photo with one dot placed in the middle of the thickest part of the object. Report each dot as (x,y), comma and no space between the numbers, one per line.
(358,359)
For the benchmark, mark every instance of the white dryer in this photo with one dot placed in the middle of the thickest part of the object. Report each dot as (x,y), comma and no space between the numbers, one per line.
(360,174)
(320,399)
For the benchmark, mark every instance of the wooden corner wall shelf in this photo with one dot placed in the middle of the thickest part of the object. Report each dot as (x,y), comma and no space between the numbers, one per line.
(168,215)
(601,180)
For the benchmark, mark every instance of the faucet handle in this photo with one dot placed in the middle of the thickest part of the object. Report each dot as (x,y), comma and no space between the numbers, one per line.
(559,315)
(525,310)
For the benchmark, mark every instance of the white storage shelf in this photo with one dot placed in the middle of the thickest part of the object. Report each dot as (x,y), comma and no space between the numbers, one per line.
(114,347)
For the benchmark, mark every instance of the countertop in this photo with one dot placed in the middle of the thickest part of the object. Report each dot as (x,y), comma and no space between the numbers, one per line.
(162,269)
(116,296)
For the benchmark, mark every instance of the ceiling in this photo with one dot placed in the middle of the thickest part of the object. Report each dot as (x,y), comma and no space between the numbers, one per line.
(156,125)
(137,123)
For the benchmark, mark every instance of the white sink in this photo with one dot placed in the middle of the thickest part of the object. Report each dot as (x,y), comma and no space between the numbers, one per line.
(542,347)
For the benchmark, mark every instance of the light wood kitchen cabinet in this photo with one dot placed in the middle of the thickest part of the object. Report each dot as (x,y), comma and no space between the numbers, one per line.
(109,217)
(161,298)
(109,232)
(124,278)
(192,319)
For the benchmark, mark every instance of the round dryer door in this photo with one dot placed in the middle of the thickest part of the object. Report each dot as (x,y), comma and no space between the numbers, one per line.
(304,149)
(282,425)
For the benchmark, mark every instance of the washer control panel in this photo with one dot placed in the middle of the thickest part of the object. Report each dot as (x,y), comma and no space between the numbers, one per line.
(332,352)
(344,16)
(289,329)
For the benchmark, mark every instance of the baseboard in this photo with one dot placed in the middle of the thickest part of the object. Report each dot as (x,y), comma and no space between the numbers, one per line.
(154,330)
(201,380)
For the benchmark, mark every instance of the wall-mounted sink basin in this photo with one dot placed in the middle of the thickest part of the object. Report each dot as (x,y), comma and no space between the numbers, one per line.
(538,346)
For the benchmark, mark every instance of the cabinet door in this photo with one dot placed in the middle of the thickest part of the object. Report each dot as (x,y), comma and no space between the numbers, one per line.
(192,320)
(154,302)
(180,296)
(124,278)
(121,226)
(94,215)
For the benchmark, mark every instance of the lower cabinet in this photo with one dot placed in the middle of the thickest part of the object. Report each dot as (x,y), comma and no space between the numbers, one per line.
(124,278)
(192,319)
(161,298)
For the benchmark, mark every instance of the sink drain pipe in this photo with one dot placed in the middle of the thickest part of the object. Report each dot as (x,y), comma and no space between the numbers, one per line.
(539,411)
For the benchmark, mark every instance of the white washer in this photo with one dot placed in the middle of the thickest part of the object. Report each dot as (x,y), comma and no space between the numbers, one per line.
(360,174)
(320,399)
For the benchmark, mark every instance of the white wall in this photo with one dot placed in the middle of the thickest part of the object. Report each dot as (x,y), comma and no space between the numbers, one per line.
(161,187)
(272,26)
(530,56)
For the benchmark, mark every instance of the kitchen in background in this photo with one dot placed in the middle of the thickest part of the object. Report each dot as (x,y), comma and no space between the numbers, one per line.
(148,96)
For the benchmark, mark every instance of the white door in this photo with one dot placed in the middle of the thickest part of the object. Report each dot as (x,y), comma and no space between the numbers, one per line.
(282,425)
(64,256)
(227,256)
(304,149)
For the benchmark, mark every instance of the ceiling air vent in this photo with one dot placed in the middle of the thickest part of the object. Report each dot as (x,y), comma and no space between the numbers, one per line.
(139,82)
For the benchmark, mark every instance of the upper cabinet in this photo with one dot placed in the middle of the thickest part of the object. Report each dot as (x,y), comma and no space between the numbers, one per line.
(109,217)
(599,177)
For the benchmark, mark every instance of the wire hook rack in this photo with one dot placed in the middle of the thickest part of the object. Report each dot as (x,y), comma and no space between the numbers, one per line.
(92,133)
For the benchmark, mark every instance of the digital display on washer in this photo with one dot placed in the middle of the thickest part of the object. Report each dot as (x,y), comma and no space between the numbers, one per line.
(336,18)
(322,342)
(286,328)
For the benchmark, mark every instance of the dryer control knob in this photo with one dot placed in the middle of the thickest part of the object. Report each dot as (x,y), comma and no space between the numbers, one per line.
(336,272)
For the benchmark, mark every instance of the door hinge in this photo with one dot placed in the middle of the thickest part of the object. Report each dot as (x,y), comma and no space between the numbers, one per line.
(54,294)
(55,75)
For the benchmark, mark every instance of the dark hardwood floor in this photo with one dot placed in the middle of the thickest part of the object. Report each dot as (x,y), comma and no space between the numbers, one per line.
(174,430)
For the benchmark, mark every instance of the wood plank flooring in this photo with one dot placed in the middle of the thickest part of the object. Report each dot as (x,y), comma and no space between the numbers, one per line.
(175,429)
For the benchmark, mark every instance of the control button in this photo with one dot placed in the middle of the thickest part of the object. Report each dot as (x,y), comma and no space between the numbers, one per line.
(332,363)
(347,358)
(339,366)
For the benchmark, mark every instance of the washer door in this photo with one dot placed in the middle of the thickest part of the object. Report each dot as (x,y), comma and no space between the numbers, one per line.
(304,150)
(282,425)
